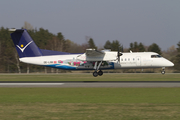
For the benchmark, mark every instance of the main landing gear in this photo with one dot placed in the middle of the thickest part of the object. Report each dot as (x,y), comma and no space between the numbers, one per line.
(97,71)
(163,71)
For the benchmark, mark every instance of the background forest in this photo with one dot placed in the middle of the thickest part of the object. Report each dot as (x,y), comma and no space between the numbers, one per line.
(9,60)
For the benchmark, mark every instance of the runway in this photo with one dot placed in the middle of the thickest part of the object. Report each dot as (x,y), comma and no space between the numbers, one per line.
(88,84)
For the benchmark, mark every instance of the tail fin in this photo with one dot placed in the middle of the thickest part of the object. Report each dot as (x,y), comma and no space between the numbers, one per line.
(24,44)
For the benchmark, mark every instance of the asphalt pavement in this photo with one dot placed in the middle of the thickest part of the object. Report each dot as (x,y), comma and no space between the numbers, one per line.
(88,84)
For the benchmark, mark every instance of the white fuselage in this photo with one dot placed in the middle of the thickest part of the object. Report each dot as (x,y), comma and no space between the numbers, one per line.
(81,62)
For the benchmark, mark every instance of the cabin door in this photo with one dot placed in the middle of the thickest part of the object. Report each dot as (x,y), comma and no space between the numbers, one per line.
(138,61)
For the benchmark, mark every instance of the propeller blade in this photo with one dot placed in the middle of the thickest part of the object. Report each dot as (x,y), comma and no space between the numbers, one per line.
(118,55)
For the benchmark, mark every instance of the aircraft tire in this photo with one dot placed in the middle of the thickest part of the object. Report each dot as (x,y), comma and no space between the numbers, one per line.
(100,73)
(95,74)
(163,72)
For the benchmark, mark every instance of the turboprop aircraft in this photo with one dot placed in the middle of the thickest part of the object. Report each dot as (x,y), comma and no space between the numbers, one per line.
(90,60)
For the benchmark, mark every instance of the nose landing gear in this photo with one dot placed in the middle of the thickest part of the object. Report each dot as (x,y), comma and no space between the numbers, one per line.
(163,71)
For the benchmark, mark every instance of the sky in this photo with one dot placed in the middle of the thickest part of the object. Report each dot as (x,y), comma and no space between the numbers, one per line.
(145,21)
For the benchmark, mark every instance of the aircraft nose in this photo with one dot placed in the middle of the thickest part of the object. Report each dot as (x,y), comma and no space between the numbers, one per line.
(170,64)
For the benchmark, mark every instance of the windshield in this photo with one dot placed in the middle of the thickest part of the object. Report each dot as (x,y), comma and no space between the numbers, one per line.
(155,56)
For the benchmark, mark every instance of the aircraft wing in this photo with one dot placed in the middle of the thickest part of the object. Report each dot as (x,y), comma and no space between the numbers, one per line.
(93,52)
(95,55)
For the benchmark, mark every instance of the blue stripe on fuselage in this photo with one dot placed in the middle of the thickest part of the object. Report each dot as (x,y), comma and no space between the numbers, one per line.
(59,66)
(67,67)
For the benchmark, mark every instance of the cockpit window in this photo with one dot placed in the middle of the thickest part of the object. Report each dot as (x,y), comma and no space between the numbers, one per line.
(155,56)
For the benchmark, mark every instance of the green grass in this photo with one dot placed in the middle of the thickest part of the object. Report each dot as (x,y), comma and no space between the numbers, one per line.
(90,95)
(89,103)
(89,77)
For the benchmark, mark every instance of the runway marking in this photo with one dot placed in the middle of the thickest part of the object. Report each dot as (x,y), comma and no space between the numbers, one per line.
(111,84)
(32,84)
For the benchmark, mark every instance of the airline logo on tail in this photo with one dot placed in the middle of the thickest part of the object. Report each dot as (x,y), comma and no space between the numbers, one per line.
(22,48)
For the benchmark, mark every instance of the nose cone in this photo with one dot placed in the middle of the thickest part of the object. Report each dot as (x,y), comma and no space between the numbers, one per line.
(169,63)
(162,62)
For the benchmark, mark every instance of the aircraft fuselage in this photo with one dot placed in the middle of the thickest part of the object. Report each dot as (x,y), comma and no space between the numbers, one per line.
(128,60)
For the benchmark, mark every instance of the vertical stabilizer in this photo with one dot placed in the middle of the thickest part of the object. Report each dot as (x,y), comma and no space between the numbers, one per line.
(24,44)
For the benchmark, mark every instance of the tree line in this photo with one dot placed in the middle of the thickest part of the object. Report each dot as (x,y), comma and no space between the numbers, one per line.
(9,60)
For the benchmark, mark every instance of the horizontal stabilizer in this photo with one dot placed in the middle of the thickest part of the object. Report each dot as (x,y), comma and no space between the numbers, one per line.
(12,30)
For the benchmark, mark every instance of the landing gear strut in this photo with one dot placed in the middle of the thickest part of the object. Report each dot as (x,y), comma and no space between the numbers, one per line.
(163,71)
(96,67)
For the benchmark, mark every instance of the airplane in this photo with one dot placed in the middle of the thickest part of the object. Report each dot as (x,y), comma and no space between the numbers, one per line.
(92,59)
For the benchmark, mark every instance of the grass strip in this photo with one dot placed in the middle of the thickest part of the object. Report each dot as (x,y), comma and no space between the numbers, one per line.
(89,103)
(89,77)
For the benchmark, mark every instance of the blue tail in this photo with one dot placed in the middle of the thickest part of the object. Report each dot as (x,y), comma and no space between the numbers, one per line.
(24,44)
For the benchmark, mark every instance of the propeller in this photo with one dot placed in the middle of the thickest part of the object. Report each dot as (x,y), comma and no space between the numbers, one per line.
(119,54)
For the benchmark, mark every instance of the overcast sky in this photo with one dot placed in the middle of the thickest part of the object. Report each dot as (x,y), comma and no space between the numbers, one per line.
(146,21)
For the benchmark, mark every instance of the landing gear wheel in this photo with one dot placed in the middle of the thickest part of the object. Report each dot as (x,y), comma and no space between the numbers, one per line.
(100,73)
(95,74)
(163,72)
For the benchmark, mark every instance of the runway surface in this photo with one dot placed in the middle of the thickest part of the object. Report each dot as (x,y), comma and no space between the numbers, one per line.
(110,84)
